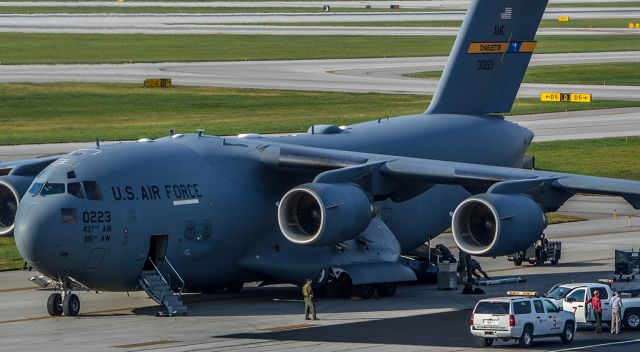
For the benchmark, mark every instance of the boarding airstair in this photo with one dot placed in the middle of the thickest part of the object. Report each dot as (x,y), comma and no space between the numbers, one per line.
(159,288)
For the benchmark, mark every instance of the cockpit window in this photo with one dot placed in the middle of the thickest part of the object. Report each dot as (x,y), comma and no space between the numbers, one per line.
(75,189)
(52,188)
(92,190)
(36,188)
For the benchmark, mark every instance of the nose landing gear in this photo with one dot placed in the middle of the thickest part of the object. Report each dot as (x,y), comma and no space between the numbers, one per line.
(65,302)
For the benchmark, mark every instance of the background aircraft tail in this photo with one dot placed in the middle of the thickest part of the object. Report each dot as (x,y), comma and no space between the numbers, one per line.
(489,57)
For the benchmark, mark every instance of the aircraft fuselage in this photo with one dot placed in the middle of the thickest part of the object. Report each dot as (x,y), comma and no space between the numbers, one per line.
(211,203)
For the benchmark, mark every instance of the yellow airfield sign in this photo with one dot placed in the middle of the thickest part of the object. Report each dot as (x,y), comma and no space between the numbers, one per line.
(580,98)
(157,83)
(548,96)
(565,97)
(563,19)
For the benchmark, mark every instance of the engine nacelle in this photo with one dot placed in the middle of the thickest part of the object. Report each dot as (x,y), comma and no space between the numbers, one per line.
(12,188)
(496,224)
(323,214)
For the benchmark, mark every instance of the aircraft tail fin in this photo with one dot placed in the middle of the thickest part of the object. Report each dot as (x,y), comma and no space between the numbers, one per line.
(489,57)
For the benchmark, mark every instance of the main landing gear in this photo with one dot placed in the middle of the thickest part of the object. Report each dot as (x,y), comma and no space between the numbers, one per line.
(65,302)
(342,286)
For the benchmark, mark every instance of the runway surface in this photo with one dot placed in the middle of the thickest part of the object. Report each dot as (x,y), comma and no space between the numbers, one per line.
(346,3)
(212,23)
(338,75)
(418,318)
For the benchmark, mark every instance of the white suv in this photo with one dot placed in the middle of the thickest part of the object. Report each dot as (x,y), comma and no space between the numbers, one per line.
(520,316)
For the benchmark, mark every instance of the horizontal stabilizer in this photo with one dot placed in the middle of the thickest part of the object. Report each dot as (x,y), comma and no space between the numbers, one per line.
(489,58)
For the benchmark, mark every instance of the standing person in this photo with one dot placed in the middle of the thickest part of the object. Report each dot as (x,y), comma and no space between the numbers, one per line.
(309,306)
(596,305)
(616,308)
(464,265)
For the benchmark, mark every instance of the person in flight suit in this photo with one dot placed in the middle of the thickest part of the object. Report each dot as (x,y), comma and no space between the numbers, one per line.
(309,306)
(475,266)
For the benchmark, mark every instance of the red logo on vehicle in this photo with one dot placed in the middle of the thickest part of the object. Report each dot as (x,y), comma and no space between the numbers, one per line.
(555,323)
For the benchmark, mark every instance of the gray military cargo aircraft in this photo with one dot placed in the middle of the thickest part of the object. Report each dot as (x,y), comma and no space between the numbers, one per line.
(198,212)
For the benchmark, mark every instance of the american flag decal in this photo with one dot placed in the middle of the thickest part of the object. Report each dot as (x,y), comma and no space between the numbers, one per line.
(506,14)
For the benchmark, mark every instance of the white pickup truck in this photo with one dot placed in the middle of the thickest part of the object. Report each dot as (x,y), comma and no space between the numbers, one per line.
(573,298)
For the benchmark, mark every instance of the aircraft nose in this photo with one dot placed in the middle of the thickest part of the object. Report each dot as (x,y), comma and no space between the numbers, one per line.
(36,236)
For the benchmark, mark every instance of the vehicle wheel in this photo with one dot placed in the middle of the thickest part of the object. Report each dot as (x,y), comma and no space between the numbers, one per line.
(517,262)
(235,287)
(487,342)
(554,261)
(532,261)
(387,289)
(632,319)
(567,333)
(527,337)
(365,291)
(71,305)
(54,304)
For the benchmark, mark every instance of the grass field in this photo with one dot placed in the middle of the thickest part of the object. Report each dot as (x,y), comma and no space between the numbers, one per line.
(610,157)
(10,259)
(623,73)
(38,113)
(580,23)
(32,48)
(555,218)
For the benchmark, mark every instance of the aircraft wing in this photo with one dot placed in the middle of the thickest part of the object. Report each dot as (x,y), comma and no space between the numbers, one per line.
(383,175)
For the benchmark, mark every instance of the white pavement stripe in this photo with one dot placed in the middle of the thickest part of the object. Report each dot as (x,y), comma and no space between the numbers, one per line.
(207,23)
(292,30)
(599,345)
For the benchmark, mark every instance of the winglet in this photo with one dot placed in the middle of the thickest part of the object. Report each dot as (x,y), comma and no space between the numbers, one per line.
(489,58)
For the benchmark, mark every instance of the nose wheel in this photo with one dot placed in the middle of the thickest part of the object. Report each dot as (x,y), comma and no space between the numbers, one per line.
(69,305)
(54,304)
(63,302)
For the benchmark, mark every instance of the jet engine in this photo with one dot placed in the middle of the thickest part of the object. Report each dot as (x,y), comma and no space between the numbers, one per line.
(12,188)
(496,224)
(323,214)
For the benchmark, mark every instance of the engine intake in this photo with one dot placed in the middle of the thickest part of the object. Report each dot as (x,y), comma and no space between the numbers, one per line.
(9,200)
(495,224)
(322,214)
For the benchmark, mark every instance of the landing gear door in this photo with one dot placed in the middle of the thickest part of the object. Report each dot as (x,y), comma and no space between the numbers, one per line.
(575,302)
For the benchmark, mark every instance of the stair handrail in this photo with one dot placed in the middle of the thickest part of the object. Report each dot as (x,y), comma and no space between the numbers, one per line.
(161,276)
(177,274)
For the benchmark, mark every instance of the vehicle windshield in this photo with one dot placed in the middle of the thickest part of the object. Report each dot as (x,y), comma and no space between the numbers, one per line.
(492,308)
(558,292)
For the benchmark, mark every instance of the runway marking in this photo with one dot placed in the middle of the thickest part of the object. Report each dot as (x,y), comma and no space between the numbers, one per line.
(146,344)
(288,327)
(18,289)
(577,261)
(87,314)
(599,345)
(52,317)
